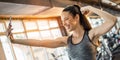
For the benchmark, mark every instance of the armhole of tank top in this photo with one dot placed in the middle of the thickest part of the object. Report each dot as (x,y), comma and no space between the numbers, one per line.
(91,40)
(68,39)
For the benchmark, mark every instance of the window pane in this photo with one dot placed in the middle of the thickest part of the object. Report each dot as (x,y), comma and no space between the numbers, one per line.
(30,25)
(16,25)
(19,53)
(22,52)
(19,36)
(43,24)
(7,48)
(61,53)
(53,23)
(56,33)
(46,34)
(33,35)
(50,53)
(2,27)
(95,22)
(39,53)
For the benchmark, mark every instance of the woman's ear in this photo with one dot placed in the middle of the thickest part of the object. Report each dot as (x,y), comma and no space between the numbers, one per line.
(77,17)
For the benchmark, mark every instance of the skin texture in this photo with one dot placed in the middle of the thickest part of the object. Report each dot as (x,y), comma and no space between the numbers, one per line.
(72,25)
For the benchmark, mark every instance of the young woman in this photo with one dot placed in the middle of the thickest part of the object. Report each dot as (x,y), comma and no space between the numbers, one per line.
(82,43)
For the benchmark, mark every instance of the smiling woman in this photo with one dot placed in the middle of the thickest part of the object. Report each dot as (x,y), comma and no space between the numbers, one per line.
(82,42)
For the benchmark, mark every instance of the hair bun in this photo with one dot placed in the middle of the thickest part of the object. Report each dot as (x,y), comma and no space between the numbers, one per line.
(76,6)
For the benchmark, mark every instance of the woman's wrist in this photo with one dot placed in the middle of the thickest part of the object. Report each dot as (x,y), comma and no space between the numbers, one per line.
(12,39)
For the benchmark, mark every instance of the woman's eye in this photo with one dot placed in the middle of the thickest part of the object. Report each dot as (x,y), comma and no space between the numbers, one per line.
(66,18)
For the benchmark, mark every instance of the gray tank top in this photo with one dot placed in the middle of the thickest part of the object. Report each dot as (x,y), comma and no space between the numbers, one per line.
(85,50)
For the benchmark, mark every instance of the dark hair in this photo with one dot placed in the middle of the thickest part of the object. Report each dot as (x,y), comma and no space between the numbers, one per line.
(75,9)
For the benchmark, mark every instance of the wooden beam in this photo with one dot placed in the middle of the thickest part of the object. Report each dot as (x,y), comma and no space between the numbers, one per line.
(14,17)
(2,53)
(50,3)
(99,4)
(116,1)
(60,3)
(30,2)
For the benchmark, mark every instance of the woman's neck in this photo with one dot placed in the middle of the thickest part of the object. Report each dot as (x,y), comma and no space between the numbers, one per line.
(78,32)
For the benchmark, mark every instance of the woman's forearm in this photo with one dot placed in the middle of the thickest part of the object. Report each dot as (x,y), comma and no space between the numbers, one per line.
(105,15)
(30,42)
(39,43)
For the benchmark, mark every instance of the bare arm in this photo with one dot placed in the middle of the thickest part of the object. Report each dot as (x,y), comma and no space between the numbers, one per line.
(110,21)
(62,41)
(59,42)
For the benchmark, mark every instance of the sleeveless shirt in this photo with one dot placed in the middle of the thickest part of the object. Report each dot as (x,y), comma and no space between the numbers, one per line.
(84,50)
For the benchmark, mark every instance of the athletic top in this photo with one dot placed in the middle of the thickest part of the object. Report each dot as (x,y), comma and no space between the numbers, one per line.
(84,50)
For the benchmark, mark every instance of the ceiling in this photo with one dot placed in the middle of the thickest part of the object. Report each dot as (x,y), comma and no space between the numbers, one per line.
(52,7)
(20,9)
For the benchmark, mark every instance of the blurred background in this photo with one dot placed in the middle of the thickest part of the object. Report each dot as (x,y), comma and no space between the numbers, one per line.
(40,19)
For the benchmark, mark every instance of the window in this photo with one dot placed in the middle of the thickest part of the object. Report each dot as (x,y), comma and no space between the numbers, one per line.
(33,29)
(43,24)
(17,25)
(30,25)
(2,27)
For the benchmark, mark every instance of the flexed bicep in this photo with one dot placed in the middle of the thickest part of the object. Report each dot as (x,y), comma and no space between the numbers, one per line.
(104,28)
(109,21)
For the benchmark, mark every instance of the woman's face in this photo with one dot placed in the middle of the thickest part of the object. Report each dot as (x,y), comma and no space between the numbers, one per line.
(69,21)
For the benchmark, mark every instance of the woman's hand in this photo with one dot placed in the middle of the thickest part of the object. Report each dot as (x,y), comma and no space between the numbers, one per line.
(9,33)
(85,10)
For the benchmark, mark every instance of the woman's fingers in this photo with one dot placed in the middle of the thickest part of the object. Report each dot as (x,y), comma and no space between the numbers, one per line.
(85,10)
(9,30)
